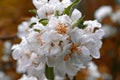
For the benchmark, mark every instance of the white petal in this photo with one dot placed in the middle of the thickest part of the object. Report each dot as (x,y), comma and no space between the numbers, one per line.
(91,25)
(95,53)
(60,68)
(102,12)
(76,34)
(76,14)
(39,3)
(51,61)
(25,77)
(16,53)
(55,51)
(71,70)
(85,51)
(99,33)
(41,13)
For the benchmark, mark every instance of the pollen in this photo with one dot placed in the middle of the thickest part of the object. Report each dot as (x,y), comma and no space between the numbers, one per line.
(28,54)
(62,28)
(39,39)
(67,56)
(74,48)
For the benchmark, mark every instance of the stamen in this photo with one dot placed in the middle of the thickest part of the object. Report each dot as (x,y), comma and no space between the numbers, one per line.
(67,56)
(62,28)
(74,48)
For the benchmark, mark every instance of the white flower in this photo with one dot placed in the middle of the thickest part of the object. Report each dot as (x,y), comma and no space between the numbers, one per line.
(23,29)
(102,12)
(58,44)
(109,30)
(93,43)
(61,24)
(7,47)
(70,66)
(87,43)
(3,76)
(93,73)
(18,49)
(76,14)
(6,51)
(24,77)
(46,11)
(49,9)
(39,3)
(116,16)
(29,60)
(91,25)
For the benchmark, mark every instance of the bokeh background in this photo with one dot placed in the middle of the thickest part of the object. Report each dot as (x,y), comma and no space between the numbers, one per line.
(13,12)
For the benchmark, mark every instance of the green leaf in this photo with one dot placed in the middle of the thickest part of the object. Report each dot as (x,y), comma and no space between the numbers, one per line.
(36,30)
(82,26)
(79,23)
(49,72)
(44,21)
(57,13)
(33,11)
(71,7)
(32,24)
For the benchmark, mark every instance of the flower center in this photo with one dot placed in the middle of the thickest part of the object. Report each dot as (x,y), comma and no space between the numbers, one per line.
(74,48)
(67,56)
(28,54)
(61,28)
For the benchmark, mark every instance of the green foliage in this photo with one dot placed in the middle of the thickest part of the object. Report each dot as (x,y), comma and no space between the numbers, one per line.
(79,23)
(57,13)
(71,7)
(32,24)
(49,72)
(33,11)
(36,30)
(44,21)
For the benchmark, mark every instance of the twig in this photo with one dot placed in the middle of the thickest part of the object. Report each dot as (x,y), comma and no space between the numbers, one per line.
(4,38)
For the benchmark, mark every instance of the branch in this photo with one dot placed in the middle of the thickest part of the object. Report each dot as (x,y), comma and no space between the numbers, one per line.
(4,38)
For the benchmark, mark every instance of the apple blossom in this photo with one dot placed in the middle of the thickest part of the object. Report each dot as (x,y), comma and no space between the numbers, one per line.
(57,41)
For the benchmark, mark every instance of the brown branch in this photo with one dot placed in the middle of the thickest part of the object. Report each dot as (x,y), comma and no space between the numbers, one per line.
(4,38)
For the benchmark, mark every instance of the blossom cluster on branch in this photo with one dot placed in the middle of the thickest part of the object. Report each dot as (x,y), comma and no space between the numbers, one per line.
(57,41)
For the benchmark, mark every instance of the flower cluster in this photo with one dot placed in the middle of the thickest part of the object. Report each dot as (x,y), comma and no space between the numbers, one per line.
(103,12)
(57,40)
(107,13)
